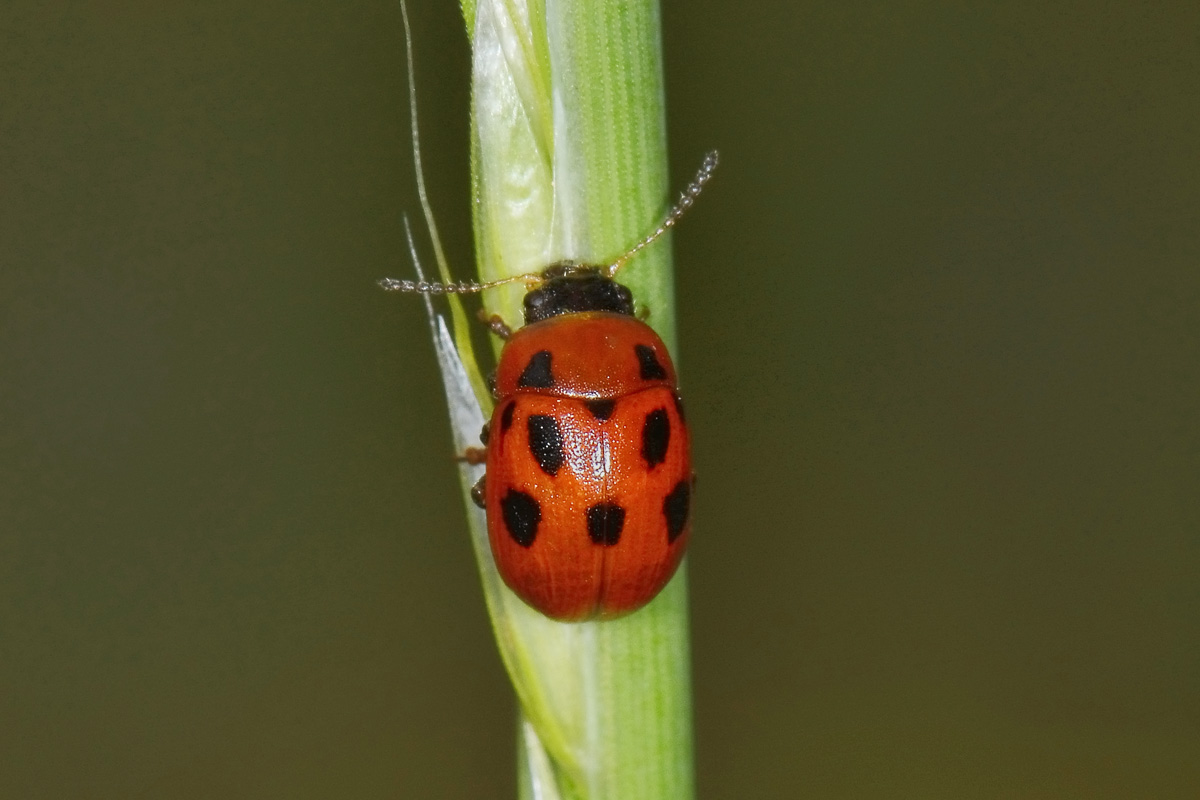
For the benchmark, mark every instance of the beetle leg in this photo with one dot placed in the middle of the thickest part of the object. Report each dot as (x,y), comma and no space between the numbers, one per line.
(495,324)
(477,491)
(474,455)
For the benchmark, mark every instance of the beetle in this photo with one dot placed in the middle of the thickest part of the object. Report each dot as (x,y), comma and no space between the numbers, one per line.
(589,482)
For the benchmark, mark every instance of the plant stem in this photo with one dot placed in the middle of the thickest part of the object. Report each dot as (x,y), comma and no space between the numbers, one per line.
(569,162)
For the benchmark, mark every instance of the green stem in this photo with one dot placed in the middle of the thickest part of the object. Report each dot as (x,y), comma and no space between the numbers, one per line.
(569,162)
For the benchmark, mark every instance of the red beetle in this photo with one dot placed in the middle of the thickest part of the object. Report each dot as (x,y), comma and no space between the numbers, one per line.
(589,476)
(589,470)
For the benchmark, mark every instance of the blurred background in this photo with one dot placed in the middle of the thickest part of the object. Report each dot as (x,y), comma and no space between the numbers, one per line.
(939,340)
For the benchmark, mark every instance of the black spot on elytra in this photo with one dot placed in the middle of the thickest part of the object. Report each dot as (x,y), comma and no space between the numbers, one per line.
(675,508)
(601,409)
(506,417)
(605,521)
(546,442)
(656,435)
(651,370)
(537,374)
(521,516)
(679,409)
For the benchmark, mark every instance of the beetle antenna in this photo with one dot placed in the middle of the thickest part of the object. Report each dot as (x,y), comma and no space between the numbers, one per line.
(452,287)
(683,204)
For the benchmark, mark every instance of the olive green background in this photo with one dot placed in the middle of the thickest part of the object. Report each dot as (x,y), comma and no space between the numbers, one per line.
(939,343)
